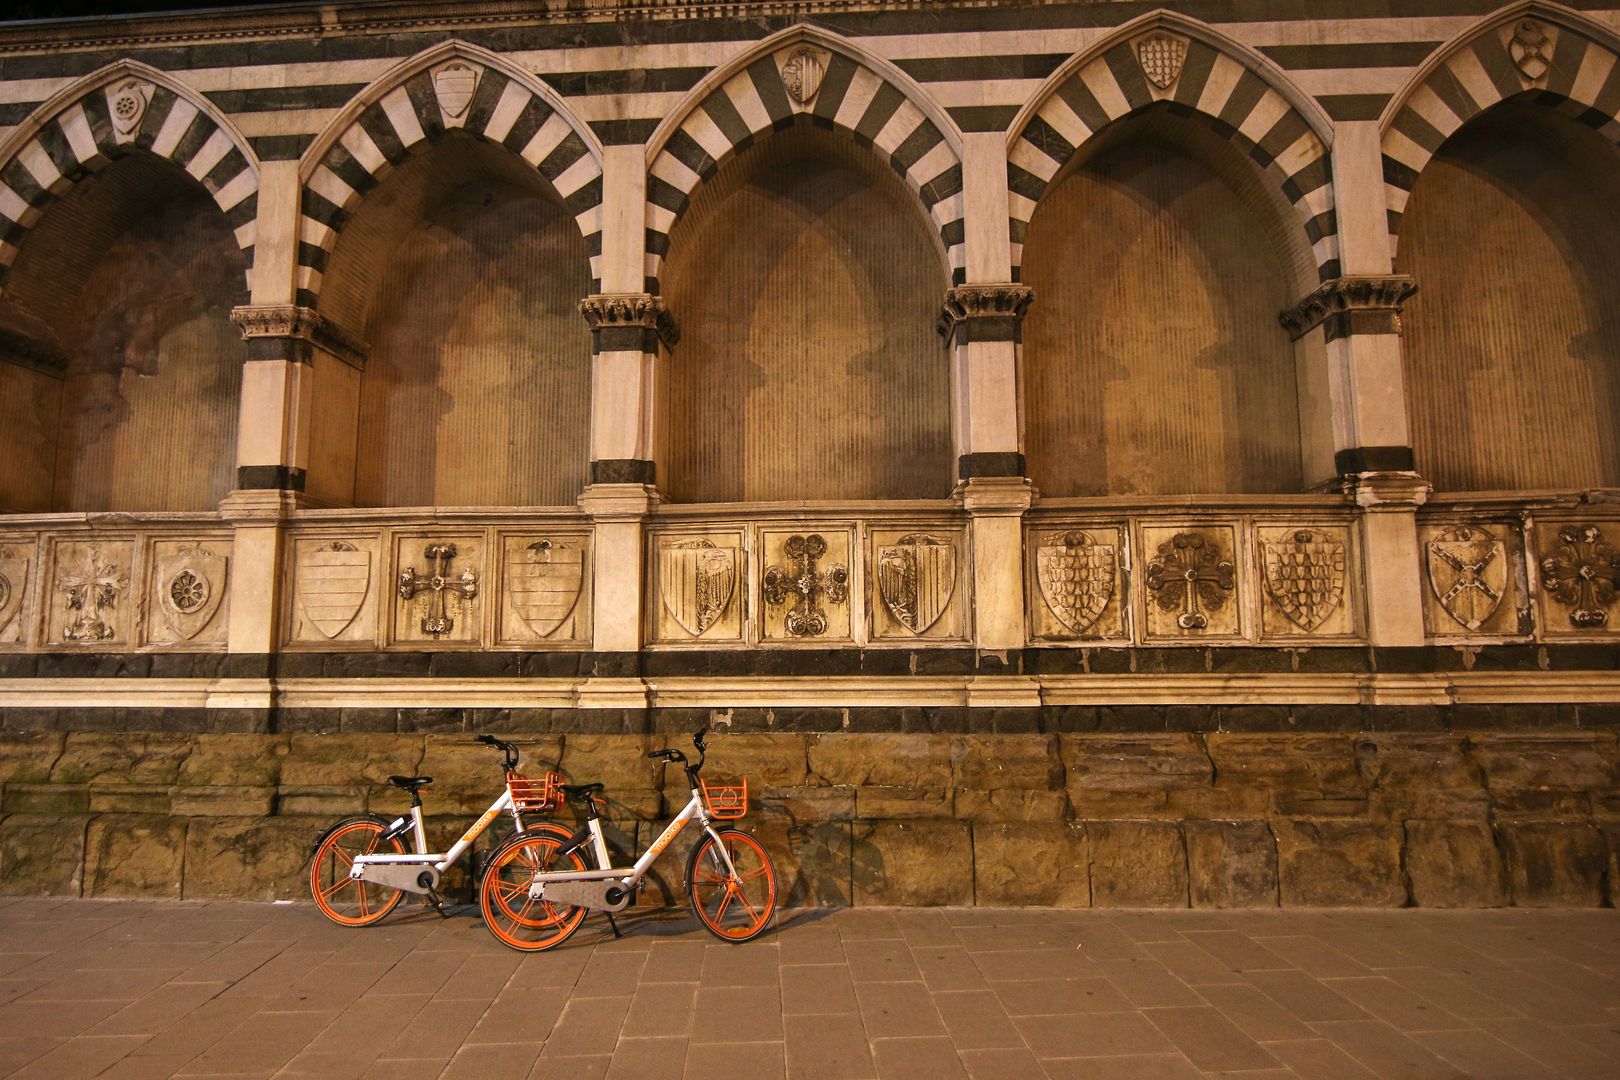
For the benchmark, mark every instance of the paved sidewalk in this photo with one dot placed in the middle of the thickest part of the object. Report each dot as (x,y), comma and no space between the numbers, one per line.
(147,989)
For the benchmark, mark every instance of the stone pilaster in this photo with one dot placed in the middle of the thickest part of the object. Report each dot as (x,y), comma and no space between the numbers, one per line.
(1390,554)
(629,335)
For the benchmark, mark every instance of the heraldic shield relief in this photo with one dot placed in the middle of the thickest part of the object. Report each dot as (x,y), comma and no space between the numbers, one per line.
(13,579)
(1304,574)
(697,581)
(1076,576)
(190,584)
(333,581)
(1468,572)
(543,582)
(916,579)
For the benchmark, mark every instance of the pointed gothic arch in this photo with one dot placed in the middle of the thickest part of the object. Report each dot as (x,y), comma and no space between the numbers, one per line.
(1540,51)
(840,85)
(1198,71)
(122,107)
(452,86)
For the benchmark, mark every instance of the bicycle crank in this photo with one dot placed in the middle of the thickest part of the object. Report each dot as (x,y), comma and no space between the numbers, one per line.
(404,877)
(596,895)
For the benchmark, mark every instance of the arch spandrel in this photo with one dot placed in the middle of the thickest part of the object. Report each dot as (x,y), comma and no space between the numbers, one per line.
(1544,51)
(1169,58)
(451,86)
(120,108)
(806,73)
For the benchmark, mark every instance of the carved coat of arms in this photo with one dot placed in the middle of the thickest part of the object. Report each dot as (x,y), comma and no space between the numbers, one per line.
(543,582)
(13,581)
(1530,49)
(1161,56)
(127,104)
(802,73)
(333,582)
(91,589)
(190,584)
(697,581)
(916,578)
(1305,576)
(1468,573)
(1076,576)
(455,84)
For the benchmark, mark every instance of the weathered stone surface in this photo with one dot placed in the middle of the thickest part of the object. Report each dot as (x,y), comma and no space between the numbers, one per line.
(1321,766)
(1554,864)
(134,855)
(233,760)
(121,758)
(347,760)
(114,798)
(618,761)
(806,804)
(1011,805)
(1231,864)
(1421,775)
(812,861)
(907,761)
(1572,761)
(467,775)
(42,855)
(1454,864)
(225,800)
(1131,763)
(263,859)
(902,803)
(766,760)
(46,798)
(1137,864)
(1339,863)
(921,863)
(28,758)
(1032,864)
(1006,762)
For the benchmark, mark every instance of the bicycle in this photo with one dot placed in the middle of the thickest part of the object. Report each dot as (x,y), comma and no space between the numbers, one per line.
(365,851)
(538,887)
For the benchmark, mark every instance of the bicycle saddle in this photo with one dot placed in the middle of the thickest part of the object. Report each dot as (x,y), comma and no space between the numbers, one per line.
(410,783)
(579,791)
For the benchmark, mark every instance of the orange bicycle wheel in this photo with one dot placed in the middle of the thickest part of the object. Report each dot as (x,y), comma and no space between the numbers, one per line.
(517,920)
(341,898)
(733,907)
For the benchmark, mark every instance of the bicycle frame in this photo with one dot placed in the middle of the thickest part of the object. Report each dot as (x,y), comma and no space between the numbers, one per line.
(437,862)
(629,876)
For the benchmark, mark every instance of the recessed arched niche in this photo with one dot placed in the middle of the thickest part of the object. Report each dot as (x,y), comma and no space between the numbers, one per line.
(120,369)
(1512,343)
(1154,363)
(806,280)
(463,272)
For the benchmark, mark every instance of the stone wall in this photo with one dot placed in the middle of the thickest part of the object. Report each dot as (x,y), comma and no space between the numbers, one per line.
(1218,819)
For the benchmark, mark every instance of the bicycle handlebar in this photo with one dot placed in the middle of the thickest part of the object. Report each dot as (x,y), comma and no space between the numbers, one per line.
(508,751)
(671,754)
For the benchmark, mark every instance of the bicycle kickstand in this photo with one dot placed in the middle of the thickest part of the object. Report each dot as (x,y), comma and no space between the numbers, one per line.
(613,923)
(438,904)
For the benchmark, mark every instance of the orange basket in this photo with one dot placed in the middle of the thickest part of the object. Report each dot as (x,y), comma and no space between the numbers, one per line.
(535,795)
(726,801)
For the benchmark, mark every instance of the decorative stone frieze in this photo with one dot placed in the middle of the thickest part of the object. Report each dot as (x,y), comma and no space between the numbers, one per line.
(983,312)
(282,322)
(623,321)
(1351,305)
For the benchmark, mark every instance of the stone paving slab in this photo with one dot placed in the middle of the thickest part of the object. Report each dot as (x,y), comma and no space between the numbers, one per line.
(136,989)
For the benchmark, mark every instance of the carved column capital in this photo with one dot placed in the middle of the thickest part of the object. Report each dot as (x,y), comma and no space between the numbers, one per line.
(1350,305)
(618,319)
(983,312)
(270,323)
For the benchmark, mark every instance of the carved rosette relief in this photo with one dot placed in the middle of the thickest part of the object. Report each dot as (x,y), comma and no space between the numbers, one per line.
(454,85)
(1077,572)
(1579,575)
(13,586)
(916,578)
(1531,49)
(440,594)
(91,593)
(126,105)
(697,587)
(1191,581)
(1161,56)
(803,69)
(1304,574)
(543,579)
(1469,579)
(332,586)
(806,586)
(187,591)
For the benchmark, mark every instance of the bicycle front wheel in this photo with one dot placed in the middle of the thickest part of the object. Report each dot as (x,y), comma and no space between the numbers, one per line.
(732,906)
(515,919)
(342,899)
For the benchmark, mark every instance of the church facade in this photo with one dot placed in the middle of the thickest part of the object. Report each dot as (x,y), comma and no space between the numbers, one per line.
(1076,453)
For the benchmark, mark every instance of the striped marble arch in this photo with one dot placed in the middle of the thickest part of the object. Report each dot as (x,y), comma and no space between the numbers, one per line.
(1570,65)
(860,94)
(453,85)
(123,108)
(1163,57)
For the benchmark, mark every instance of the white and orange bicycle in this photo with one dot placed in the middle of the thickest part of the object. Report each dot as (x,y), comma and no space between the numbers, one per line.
(538,887)
(360,870)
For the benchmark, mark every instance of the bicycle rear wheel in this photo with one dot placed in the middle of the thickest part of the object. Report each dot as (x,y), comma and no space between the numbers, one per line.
(339,897)
(516,920)
(732,907)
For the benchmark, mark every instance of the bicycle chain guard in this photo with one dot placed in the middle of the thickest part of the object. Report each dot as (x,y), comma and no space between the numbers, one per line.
(596,895)
(402,876)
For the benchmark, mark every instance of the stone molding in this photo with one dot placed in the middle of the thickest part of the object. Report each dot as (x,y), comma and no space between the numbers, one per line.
(1005,303)
(630,311)
(288,321)
(1377,491)
(1340,301)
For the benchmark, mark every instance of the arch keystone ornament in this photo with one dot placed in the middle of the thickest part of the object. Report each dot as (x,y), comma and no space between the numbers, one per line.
(916,579)
(191,584)
(1468,573)
(126,104)
(1305,576)
(333,582)
(802,71)
(1531,48)
(1076,576)
(543,583)
(1582,575)
(13,580)
(697,580)
(454,85)
(1161,56)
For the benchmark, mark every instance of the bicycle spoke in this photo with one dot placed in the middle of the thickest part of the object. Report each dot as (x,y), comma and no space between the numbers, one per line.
(327,894)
